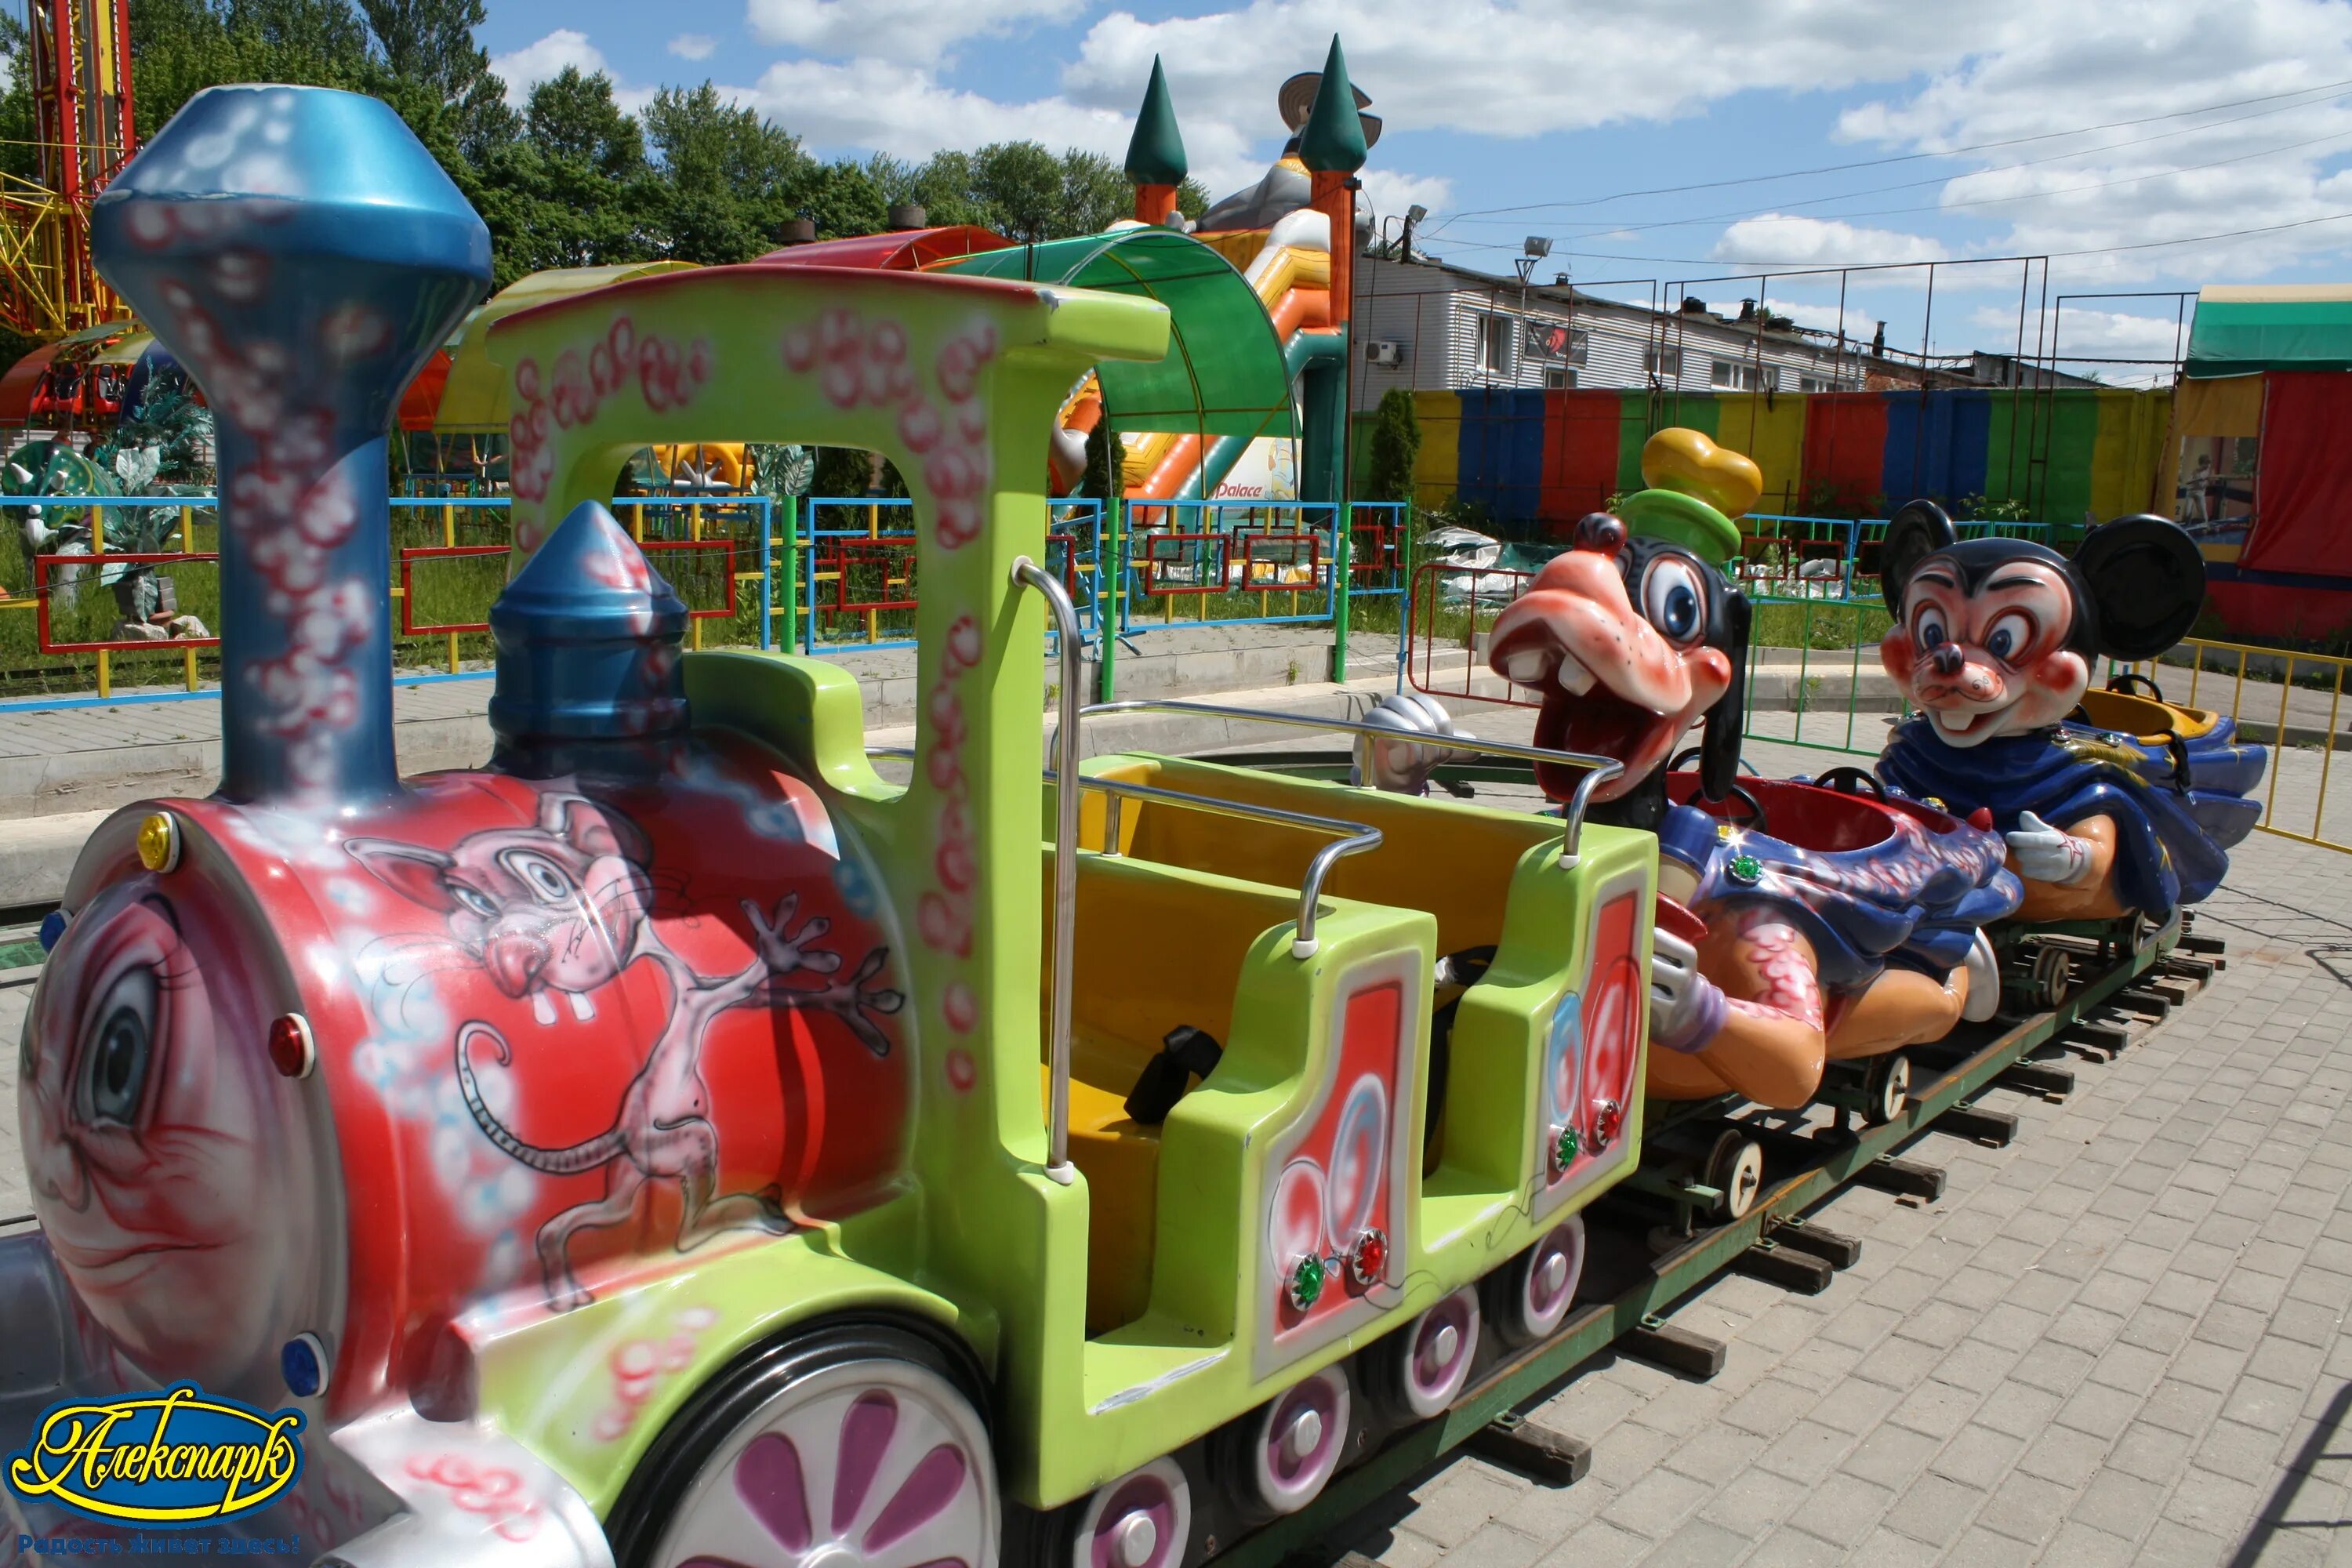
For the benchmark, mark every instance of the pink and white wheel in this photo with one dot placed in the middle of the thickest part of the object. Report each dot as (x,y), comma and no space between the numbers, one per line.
(876,1462)
(1291,1446)
(1143,1520)
(1433,1354)
(1533,1292)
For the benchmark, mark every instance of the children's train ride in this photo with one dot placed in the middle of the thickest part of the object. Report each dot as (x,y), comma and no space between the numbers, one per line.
(673,1143)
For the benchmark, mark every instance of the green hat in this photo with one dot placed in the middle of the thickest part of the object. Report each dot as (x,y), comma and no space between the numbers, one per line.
(1682,520)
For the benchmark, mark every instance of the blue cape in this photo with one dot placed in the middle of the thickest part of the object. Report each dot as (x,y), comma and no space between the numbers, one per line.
(1917,898)
(2223,772)
(2165,856)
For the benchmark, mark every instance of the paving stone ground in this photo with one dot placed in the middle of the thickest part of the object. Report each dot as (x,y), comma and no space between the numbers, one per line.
(2120,1339)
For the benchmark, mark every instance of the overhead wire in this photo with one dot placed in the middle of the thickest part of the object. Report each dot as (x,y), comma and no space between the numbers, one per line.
(2307,92)
(1599,226)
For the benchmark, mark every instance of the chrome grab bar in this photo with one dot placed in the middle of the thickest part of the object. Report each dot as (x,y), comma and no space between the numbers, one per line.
(1599,771)
(1027,574)
(1355,837)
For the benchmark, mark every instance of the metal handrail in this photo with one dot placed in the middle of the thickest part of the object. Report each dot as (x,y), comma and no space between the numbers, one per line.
(1027,574)
(1598,770)
(1356,839)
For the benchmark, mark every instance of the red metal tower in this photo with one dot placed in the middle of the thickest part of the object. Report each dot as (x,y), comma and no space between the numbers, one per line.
(79,55)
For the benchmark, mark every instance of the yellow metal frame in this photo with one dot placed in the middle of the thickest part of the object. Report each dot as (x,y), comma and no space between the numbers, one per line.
(2197,648)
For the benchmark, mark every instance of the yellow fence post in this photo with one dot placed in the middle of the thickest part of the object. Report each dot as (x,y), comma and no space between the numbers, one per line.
(449,538)
(188,547)
(873,531)
(694,532)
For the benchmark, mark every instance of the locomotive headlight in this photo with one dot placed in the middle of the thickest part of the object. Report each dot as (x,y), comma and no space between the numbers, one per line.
(159,842)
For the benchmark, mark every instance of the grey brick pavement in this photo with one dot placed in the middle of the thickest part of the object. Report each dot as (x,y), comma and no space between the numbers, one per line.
(2120,1339)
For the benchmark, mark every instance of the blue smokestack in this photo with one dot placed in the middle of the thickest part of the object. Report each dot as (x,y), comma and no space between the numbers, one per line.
(301,255)
(588,637)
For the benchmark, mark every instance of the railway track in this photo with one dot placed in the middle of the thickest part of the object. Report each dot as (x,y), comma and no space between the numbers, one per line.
(1648,1248)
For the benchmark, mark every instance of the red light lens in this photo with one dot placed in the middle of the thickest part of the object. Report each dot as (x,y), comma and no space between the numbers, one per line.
(290,1051)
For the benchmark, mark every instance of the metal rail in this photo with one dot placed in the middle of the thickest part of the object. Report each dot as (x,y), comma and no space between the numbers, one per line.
(1592,1326)
(1027,574)
(1355,838)
(1599,771)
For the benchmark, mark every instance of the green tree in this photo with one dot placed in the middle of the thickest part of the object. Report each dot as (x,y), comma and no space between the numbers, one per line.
(431,42)
(730,179)
(1095,194)
(573,191)
(1018,185)
(575,119)
(1396,442)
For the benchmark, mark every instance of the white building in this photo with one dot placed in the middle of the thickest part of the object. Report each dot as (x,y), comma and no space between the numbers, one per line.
(1430,327)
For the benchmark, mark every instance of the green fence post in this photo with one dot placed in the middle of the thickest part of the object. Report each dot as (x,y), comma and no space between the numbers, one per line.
(1110,591)
(791,637)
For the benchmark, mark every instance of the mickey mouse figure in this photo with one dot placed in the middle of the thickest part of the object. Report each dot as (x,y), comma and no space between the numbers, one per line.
(1993,642)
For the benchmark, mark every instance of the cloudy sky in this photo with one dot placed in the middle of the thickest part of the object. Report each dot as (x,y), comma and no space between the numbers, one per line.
(1737,137)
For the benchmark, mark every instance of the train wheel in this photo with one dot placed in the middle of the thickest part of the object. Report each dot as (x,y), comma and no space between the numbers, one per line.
(1735,1168)
(2054,974)
(848,1446)
(1528,1298)
(1887,1082)
(1143,1520)
(1284,1451)
(1426,1363)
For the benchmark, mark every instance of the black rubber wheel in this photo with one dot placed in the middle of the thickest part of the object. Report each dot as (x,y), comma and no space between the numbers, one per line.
(736,1392)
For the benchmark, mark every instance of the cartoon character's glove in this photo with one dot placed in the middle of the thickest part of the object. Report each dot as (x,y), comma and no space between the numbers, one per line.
(1402,768)
(1687,1008)
(1984,999)
(2047,854)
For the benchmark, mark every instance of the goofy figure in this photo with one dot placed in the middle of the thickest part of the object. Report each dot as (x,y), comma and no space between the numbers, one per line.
(1992,642)
(1796,924)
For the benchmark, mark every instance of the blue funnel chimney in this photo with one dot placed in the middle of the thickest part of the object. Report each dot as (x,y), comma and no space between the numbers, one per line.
(588,637)
(302,254)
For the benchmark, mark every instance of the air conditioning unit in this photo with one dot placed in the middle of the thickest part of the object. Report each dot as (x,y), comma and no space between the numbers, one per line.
(1383,351)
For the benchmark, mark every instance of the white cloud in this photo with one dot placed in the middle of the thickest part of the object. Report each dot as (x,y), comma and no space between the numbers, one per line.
(916,30)
(526,68)
(1388,191)
(693,46)
(1781,240)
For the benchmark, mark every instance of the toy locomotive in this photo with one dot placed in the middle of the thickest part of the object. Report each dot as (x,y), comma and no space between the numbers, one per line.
(672,1143)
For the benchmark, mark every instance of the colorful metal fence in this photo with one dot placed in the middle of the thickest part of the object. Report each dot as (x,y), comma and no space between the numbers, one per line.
(83,618)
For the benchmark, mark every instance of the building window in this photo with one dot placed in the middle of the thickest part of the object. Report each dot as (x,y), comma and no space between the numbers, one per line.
(1493,343)
(1815,384)
(1738,375)
(1560,375)
(1555,343)
(1662,362)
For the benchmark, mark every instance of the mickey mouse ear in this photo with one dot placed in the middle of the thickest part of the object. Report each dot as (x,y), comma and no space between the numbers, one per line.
(1913,534)
(2145,580)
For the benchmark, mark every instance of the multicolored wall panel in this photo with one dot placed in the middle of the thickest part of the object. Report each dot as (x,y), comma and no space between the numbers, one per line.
(1548,458)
